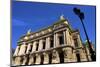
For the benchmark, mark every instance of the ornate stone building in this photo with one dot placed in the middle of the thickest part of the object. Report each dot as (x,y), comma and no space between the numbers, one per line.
(58,43)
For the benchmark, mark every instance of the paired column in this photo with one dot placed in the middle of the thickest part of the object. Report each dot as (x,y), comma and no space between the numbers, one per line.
(17,50)
(38,57)
(46,56)
(56,40)
(34,46)
(55,55)
(28,48)
(47,42)
(22,49)
(40,45)
(31,57)
(21,52)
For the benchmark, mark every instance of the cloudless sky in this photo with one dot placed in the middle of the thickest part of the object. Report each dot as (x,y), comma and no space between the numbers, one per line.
(36,15)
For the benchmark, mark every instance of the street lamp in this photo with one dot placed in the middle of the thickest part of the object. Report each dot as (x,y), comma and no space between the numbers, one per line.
(81,16)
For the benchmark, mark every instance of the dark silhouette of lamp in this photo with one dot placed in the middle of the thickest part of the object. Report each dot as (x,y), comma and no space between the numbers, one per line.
(81,16)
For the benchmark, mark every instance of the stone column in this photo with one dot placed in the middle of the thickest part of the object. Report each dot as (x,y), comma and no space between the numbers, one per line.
(83,55)
(57,40)
(30,59)
(67,37)
(47,42)
(54,40)
(28,48)
(88,54)
(34,46)
(22,49)
(17,60)
(68,55)
(24,60)
(38,59)
(74,56)
(17,50)
(46,58)
(64,33)
(55,57)
(79,41)
(40,45)
(73,42)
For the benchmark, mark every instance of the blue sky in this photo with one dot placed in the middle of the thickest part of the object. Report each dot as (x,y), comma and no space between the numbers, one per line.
(35,16)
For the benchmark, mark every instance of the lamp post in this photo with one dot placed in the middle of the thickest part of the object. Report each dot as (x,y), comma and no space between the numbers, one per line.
(81,16)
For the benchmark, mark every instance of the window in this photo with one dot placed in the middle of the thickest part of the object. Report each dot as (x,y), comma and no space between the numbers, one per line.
(30,48)
(25,49)
(27,60)
(51,43)
(78,57)
(42,59)
(75,42)
(61,56)
(43,45)
(61,40)
(37,46)
(21,60)
(50,58)
(34,59)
